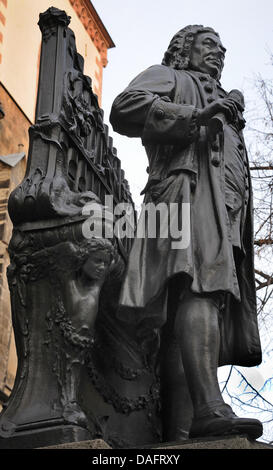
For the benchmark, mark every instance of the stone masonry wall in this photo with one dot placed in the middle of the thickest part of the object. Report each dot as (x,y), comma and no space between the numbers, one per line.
(13,139)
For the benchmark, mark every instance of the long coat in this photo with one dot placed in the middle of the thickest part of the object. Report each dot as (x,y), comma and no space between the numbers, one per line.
(160,107)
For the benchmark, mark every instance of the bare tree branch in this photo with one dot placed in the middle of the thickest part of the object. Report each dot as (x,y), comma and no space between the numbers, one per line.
(263,241)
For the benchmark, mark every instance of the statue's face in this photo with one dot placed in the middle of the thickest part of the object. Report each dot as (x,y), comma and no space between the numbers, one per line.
(207,54)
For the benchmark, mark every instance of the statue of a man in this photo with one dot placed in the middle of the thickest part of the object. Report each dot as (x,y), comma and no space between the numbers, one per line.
(192,132)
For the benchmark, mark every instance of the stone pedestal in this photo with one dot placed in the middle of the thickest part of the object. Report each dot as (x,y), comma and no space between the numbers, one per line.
(230,442)
(94,444)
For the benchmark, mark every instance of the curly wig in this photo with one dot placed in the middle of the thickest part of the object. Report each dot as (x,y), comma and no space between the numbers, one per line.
(178,53)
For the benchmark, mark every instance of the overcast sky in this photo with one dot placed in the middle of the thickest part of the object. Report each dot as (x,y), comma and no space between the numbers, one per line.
(141,31)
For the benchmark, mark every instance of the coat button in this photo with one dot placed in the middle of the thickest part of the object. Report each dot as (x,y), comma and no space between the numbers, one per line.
(193,185)
(215,161)
(240,146)
(210,99)
(159,113)
(215,147)
(208,88)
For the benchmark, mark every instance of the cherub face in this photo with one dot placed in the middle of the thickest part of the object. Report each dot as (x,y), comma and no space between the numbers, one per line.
(96,265)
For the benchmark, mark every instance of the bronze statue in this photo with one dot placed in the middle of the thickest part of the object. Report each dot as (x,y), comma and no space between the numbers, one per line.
(88,362)
(204,293)
(80,376)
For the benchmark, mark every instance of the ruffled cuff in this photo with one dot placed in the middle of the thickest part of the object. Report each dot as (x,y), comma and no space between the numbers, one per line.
(169,123)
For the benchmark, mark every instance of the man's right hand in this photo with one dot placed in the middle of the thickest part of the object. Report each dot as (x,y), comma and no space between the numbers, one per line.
(225,105)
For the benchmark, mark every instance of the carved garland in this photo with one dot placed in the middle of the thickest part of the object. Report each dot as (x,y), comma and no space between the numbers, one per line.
(121,403)
(92,28)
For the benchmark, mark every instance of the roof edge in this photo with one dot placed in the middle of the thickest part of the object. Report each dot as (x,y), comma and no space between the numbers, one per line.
(100,24)
(92,23)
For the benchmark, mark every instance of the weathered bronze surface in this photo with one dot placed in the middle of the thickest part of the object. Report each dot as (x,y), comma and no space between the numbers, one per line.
(202,295)
(81,375)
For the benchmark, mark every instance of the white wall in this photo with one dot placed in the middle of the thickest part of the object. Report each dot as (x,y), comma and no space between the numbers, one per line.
(21,45)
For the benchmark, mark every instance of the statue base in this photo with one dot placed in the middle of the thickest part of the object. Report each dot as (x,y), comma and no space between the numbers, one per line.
(228,442)
(47,436)
(221,442)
